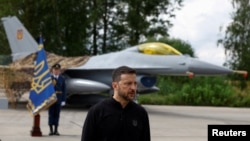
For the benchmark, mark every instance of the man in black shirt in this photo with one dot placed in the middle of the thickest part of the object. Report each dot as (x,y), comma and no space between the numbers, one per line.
(118,118)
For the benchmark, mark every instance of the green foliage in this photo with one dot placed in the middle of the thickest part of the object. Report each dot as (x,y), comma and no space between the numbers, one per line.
(91,27)
(5,59)
(153,99)
(5,49)
(200,91)
(206,91)
(236,40)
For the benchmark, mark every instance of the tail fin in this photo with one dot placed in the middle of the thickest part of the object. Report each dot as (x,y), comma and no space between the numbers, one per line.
(21,42)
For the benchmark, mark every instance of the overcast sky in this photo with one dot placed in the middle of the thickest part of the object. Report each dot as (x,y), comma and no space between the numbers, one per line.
(198,23)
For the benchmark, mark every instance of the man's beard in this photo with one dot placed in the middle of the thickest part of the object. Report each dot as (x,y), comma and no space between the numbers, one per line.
(124,95)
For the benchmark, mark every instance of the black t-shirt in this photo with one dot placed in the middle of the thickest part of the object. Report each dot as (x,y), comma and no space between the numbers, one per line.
(108,121)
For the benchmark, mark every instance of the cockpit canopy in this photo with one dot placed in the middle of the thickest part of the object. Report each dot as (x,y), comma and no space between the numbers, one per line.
(158,48)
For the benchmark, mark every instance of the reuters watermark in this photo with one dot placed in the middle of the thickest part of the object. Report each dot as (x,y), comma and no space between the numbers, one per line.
(237,132)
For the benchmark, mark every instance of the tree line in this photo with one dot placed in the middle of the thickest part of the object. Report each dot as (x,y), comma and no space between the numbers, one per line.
(91,27)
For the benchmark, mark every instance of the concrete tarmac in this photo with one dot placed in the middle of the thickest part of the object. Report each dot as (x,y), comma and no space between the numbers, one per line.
(168,123)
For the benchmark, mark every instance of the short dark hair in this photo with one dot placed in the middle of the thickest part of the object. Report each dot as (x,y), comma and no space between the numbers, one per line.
(116,75)
(56,66)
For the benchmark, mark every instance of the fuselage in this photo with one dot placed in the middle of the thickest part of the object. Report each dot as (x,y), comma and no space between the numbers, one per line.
(98,69)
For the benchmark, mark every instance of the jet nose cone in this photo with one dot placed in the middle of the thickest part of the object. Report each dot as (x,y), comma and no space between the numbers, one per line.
(203,68)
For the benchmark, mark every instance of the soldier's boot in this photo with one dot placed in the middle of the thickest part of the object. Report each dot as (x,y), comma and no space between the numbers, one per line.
(56,131)
(51,130)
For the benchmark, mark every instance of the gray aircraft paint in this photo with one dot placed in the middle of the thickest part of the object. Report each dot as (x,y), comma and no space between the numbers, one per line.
(94,77)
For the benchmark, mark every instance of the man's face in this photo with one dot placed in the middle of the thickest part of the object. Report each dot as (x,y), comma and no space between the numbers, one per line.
(126,88)
(56,71)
